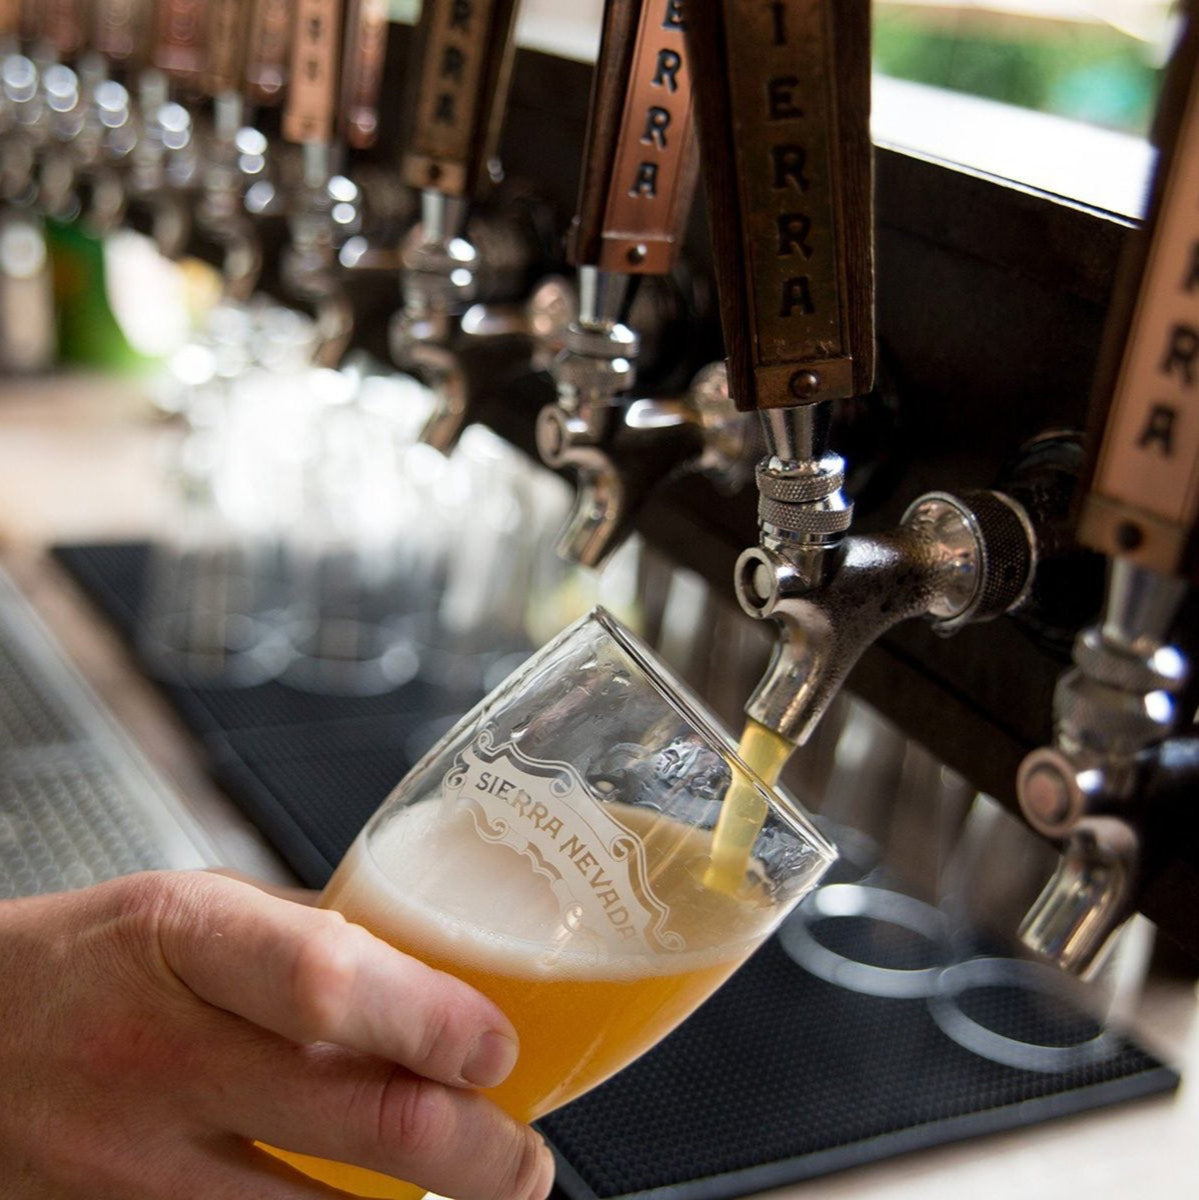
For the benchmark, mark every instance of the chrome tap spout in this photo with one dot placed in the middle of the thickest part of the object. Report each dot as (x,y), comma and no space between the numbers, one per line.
(952,560)
(619,456)
(1087,899)
(1109,765)
(621,450)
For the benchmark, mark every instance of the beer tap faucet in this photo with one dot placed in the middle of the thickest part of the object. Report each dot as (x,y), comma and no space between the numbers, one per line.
(787,161)
(635,196)
(164,163)
(464,52)
(310,269)
(1124,750)
(220,213)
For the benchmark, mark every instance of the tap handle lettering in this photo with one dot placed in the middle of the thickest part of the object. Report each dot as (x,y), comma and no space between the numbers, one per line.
(464,51)
(312,90)
(268,50)
(1143,502)
(784,124)
(640,162)
(362,75)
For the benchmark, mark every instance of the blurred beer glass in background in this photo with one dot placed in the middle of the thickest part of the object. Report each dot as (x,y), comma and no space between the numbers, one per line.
(553,850)
(362,554)
(214,597)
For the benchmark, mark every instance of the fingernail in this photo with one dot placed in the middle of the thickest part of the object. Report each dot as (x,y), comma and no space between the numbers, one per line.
(490,1060)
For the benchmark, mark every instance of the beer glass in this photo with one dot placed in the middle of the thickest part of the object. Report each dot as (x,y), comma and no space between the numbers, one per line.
(555,851)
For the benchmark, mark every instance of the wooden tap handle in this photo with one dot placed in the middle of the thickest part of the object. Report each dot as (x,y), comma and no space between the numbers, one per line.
(64,26)
(312,92)
(1143,502)
(464,51)
(268,50)
(228,21)
(10,18)
(119,29)
(179,37)
(783,106)
(640,161)
(362,72)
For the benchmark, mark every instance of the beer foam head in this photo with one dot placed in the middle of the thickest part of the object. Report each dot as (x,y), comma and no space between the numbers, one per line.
(430,882)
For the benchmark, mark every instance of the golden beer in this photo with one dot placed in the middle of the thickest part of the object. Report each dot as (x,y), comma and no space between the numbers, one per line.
(582,1007)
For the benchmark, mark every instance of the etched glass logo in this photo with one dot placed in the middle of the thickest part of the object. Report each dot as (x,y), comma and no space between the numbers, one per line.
(595,865)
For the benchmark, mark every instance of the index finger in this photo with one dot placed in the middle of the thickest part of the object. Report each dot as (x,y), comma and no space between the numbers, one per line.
(311,976)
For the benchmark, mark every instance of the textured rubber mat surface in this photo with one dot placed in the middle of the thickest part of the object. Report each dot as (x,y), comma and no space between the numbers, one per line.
(781,1076)
(307,769)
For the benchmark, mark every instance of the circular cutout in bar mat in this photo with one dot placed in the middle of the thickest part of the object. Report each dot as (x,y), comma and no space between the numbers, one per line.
(783,1076)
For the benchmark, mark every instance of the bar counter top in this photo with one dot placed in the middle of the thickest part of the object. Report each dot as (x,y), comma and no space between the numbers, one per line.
(81,459)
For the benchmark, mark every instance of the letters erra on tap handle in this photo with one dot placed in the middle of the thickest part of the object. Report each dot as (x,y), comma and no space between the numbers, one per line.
(783,112)
(1144,498)
(640,158)
(464,53)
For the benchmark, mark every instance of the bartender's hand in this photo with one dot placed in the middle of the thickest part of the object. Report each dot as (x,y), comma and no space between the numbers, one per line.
(153,1028)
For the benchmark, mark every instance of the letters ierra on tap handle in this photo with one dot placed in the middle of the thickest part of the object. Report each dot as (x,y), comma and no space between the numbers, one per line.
(1144,498)
(783,105)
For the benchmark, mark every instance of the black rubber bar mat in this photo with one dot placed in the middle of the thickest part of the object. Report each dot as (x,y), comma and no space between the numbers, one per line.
(781,1076)
(307,769)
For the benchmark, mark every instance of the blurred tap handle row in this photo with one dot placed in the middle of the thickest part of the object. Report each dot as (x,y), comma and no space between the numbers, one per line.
(320,58)
(640,155)
(783,106)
